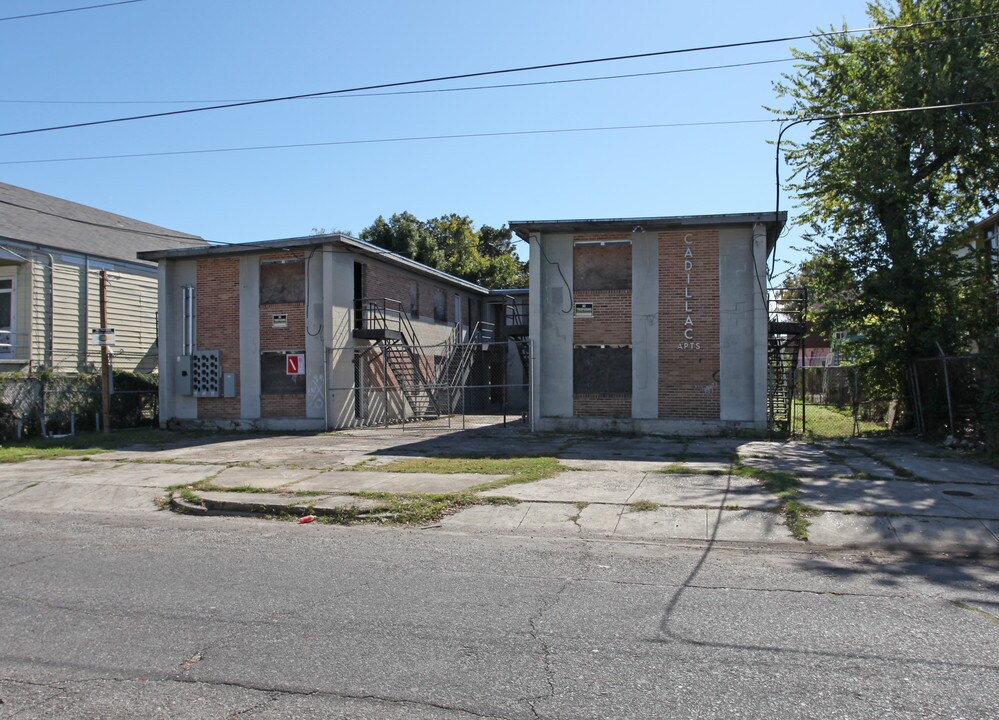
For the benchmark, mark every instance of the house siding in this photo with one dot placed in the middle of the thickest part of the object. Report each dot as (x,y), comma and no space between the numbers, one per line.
(75,298)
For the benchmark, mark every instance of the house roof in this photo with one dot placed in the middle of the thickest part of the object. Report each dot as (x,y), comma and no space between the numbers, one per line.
(312,241)
(36,219)
(524,228)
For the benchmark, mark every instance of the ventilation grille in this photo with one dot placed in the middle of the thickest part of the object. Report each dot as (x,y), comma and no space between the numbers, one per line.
(206,373)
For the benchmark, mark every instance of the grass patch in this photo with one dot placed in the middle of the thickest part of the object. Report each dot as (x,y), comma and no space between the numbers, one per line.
(643,506)
(681,469)
(189,496)
(419,509)
(796,516)
(84,443)
(786,488)
(515,469)
(836,421)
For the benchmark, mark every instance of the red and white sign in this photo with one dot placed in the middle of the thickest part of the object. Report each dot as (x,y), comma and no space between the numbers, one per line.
(294,364)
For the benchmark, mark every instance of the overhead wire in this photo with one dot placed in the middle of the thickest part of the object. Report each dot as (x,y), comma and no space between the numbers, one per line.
(373,141)
(428,91)
(485,73)
(69,10)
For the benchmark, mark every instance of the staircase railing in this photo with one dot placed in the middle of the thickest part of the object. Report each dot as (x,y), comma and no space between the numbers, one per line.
(787,308)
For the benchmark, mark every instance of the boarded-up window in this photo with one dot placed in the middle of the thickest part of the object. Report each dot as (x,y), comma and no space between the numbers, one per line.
(440,306)
(282,282)
(598,266)
(601,370)
(274,377)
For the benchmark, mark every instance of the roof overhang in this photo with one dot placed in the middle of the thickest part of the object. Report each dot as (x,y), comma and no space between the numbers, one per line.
(774,223)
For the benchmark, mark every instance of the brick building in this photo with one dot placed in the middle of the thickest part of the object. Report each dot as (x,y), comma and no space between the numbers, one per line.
(311,333)
(650,324)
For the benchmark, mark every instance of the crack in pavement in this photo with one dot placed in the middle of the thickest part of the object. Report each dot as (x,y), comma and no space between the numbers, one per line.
(26,562)
(275,693)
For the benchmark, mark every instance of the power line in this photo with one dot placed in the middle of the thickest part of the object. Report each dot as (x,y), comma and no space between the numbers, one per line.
(69,10)
(844,116)
(376,141)
(417,92)
(172,236)
(486,73)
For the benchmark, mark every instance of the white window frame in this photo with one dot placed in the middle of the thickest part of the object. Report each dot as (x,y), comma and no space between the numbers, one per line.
(8,336)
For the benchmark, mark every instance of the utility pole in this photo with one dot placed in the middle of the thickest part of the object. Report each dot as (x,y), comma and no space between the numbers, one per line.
(105,361)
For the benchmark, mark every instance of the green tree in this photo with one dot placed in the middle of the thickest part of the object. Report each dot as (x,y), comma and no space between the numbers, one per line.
(452,244)
(886,195)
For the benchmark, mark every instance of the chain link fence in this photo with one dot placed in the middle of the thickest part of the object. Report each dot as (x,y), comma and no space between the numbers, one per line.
(958,397)
(845,401)
(43,403)
(453,386)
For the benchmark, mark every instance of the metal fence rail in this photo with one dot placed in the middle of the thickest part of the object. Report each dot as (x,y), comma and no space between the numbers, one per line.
(41,403)
(844,401)
(460,385)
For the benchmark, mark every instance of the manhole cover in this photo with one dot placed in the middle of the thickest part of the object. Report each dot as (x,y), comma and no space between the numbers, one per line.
(959,493)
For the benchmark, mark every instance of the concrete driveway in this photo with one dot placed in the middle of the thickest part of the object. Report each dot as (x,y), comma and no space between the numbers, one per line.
(883,493)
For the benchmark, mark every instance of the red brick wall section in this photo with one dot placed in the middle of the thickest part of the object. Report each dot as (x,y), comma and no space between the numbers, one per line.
(611,321)
(272,406)
(288,339)
(617,406)
(689,325)
(217,300)
(384,282)
(291,338)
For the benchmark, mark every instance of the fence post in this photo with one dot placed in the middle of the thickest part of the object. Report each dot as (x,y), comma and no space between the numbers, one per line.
(950,407)
(855,400)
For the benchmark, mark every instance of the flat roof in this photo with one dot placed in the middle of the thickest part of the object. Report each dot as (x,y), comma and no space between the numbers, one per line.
(524,228)
(311,241)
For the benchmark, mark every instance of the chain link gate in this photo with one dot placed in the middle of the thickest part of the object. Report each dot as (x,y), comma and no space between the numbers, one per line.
(445,386)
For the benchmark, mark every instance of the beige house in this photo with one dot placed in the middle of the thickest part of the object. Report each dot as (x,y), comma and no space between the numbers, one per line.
(53,255)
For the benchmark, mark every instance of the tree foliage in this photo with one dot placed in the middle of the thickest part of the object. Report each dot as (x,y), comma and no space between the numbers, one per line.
(885,197)
(452,244)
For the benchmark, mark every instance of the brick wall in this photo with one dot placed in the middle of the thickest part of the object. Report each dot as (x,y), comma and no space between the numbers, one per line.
(603,405)
(611,321)
(689,325)
(602,276)
(384,282)
(217,300)
(272,406)
(287,339)
(291,338)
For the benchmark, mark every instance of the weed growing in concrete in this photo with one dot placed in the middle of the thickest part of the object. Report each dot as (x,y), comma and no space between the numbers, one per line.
(786,488)
(643,506)
(516,469)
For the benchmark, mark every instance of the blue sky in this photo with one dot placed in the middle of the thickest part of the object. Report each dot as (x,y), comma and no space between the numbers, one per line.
(210,50)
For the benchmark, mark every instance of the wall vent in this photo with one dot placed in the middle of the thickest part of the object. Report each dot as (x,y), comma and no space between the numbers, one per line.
(206,373)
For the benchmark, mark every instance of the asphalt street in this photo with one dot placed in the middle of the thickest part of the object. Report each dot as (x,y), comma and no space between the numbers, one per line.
(156,615)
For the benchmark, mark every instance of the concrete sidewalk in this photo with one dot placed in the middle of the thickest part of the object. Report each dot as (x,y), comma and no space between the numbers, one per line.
(892,494)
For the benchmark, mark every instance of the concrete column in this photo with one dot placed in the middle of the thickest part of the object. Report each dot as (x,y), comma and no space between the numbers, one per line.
(534,320)
(179,274)
(315,326)
(760,328)
(738,293)
(248,381)
(555,336)
(165,337)
(339,269)
(645,325)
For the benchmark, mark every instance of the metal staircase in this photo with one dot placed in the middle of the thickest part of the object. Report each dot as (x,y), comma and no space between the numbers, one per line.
(516,329)
(428,382)
(786,331)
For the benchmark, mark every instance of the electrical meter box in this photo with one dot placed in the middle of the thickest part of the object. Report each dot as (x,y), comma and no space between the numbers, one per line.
(182,375)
